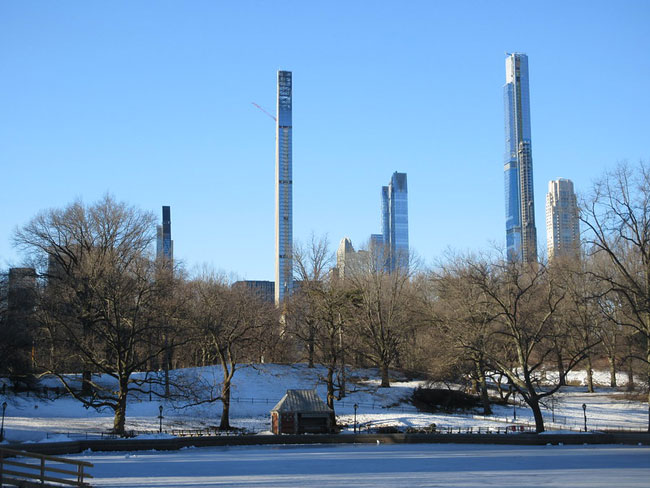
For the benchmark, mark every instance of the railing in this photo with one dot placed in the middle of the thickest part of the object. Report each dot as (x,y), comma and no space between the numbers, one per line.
(39,471)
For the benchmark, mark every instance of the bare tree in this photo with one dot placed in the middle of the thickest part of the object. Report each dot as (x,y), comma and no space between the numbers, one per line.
(580,314)
(228,321)
(525,297)
(100,295)
(386,303)
(465,319)
(311,264)
(617,218)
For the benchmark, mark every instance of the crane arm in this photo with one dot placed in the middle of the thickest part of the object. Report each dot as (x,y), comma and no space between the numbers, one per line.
(264,111)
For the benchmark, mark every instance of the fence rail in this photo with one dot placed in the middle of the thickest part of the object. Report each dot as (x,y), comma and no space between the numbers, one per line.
(20,473)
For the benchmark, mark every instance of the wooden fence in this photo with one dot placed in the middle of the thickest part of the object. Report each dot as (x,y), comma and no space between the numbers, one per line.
(18,469)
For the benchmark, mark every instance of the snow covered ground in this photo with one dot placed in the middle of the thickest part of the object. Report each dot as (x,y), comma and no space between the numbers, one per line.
(257,389)
(376,466)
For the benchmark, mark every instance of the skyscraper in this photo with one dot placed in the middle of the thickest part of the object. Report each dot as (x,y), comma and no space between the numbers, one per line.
(395,222)
(283,190)
(521,234)
(562,224)
(164,243)
(344,255)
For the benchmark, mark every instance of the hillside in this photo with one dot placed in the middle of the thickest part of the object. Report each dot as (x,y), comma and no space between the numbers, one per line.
(257,388)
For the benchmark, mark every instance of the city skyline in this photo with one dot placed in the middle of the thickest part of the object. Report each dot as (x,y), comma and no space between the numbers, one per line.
(151,103)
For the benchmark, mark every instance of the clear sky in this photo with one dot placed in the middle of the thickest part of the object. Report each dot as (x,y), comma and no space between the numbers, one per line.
(151,101)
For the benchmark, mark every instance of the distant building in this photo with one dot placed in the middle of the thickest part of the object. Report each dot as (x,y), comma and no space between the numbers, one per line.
(376,240)
(283,189)
(164,243)
(19,322)
(521,233)
(395,222)
(562,219)
(21,297)
(343,257)
(265,290)
(21,290)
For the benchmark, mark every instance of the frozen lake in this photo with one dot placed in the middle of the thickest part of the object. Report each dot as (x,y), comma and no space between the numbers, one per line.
(363,465)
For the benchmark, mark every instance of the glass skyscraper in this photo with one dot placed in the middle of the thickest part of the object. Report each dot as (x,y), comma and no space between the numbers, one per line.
(521,234)
(283,190)
(395,222)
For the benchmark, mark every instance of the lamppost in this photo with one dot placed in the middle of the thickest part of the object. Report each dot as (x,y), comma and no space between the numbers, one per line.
(514,406)
(355,417)
(2,428)
(160,417)
(584,410)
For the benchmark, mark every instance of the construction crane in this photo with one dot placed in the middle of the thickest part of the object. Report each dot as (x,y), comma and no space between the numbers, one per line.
(273,117)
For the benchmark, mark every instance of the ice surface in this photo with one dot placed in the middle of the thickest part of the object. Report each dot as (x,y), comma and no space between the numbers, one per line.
(440,465)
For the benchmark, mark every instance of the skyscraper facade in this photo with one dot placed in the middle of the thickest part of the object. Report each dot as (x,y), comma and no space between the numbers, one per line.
(344,256)
(395,223)
(521,233)
(264,290)
(562,224)
(164,243)
(283,190)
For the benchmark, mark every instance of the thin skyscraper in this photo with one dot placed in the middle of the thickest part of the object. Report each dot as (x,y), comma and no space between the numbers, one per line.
(521,234)
(395,222)
(283,190)
(164,243)
(562,220)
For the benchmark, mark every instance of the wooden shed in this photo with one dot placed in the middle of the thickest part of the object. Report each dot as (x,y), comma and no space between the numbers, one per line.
(300,412)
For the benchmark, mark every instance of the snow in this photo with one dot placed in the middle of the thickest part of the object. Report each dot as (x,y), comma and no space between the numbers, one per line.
(421,465)
(256,389)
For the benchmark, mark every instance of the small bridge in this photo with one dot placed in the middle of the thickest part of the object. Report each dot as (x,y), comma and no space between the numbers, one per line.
(26,469)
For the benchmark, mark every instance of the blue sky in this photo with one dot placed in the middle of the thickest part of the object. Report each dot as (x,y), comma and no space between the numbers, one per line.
(151,101)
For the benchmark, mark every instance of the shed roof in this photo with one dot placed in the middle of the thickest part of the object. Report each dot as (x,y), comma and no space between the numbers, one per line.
(301,401)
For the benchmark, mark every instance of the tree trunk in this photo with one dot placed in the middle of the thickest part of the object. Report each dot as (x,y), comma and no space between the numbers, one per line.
(168,360)
(310,348)
(86,383)
(590,376)
(630,375)
(225,400)
(560,366)
(342,375)
(119,420)
(485,398)
(342,381)
(385,380)
(330,386)
(612,371)
(533,403)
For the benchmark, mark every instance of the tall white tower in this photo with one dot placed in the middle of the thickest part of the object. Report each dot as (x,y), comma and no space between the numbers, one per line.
(283,190)
(562,222)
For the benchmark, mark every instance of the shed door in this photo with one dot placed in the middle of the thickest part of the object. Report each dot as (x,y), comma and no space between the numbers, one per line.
(287,425)
(315,424)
